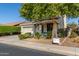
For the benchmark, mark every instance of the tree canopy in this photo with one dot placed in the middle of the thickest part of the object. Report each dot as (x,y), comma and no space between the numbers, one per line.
(41,11)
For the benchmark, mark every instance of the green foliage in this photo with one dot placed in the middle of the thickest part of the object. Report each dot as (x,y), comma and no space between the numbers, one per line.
(27,35)
(73,25)
(73,34)
(21,37)
(4,30)
(77,31)
(37,35)
(49,35)
(61,33)
(42,11)
(70,9)
(24,36)
(74,28)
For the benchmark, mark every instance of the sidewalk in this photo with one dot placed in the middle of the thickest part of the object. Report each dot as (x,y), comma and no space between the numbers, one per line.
(14,40)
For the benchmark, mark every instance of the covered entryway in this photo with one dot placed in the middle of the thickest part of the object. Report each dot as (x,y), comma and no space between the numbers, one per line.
(43,27)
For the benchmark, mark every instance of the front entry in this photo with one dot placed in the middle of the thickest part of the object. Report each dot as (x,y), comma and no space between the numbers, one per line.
(49,27)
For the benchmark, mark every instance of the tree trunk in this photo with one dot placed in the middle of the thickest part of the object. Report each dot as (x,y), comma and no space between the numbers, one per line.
(64,18)
(69,32)
(54,30)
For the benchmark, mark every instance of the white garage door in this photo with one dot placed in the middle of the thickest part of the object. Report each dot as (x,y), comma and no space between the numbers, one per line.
(25,29)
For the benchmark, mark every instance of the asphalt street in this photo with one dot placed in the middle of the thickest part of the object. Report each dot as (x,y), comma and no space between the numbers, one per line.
(9,50)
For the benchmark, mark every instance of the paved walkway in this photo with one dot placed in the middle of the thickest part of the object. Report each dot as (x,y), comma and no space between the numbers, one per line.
(14,40)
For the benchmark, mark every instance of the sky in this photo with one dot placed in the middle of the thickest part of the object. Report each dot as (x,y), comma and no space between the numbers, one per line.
(9,12)
(73,20)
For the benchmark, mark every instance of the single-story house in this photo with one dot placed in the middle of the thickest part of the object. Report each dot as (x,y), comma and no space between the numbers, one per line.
(44,26)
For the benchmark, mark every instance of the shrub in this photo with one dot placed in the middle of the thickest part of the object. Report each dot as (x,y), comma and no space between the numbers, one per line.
(37,35)
(61,33)
(21,37)
(77,31)
(49,35)
(25,36)
(73,34)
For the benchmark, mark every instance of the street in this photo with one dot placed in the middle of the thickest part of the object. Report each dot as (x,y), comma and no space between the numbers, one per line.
(8,50)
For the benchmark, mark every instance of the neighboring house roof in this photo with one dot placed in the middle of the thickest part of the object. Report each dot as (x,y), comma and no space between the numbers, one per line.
(26,23)
(13,24)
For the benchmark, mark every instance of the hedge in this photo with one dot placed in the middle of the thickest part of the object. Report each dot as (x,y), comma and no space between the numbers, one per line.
(9,29)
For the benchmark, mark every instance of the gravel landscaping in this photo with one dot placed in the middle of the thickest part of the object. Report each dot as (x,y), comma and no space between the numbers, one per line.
(71,42)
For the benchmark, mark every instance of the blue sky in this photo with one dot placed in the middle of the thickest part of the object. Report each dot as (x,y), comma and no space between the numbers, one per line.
(9,12)
(73,20)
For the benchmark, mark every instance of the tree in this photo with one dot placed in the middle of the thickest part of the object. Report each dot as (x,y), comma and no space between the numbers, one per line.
(42,11)
(39,11)
(73,26)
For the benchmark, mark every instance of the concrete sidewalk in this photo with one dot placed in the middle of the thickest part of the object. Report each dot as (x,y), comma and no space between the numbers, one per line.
(14,40)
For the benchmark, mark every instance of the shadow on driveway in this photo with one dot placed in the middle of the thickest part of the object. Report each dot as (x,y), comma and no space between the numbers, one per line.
(10,50)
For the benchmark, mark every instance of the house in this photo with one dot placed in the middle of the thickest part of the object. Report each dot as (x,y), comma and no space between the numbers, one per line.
(52,25)
(44,26)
